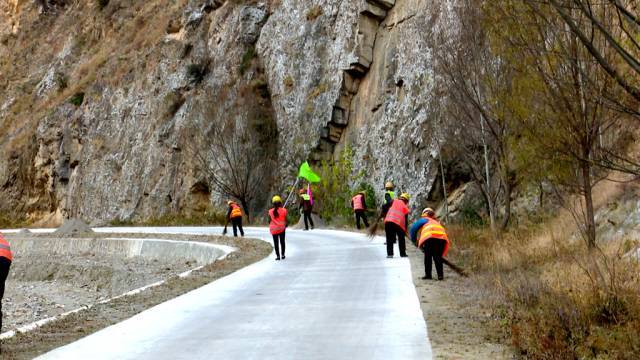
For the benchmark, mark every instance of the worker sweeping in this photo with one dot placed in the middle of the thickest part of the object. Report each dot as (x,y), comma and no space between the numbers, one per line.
(234,215)
(395,224)
(306,207)
(278,226)
(6,256)
(359,206)
(429,235)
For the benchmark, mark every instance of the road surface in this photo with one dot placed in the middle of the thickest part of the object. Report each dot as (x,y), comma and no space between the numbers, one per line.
(336,296)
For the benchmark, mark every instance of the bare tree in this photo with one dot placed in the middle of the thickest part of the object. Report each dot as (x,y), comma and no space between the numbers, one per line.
(609,30)
(230,162)
(570,124)
(474,81)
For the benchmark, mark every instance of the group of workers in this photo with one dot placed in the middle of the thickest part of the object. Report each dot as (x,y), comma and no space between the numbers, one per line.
(427,233)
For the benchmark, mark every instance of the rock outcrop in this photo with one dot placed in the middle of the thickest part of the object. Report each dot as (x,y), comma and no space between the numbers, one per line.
(102,106)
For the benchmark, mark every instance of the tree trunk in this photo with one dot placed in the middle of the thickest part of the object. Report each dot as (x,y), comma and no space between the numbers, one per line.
(508,189)
(245,207)
(590,222)
(541,195)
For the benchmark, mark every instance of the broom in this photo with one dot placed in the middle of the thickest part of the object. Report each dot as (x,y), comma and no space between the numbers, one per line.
(460,271)
(373,229)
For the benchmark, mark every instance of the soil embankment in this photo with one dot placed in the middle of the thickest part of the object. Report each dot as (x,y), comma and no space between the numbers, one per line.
(49,285)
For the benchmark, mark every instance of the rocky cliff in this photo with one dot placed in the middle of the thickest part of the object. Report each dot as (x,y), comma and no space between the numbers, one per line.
(102,101)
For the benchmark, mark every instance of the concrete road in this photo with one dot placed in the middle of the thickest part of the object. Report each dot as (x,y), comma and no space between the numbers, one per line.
(336,296)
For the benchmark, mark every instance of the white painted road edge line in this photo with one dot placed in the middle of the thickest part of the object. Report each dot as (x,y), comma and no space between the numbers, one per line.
(34,325)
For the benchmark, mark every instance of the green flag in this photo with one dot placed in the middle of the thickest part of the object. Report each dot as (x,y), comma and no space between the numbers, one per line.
(306,173)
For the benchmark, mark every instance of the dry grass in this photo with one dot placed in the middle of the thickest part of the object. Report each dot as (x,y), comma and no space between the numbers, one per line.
(552,297)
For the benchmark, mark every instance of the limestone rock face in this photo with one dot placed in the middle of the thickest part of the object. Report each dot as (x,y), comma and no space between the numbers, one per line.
(101,122)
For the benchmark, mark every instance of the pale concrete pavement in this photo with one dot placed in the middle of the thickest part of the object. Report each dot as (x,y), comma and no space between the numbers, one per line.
(336,296)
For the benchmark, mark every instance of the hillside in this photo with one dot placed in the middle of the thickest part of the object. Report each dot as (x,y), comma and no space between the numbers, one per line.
(102,98)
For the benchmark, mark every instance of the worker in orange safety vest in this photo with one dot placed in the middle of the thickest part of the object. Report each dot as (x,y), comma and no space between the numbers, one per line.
(278,226)
(6,257)
(395,224)
(234,215)
(359,205)
(430,236)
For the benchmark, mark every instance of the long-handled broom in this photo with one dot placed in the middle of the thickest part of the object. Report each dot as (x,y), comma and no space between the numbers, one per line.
(455,268)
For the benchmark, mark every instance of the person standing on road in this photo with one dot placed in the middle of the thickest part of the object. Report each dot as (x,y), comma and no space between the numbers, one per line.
(278,226)
(6,256)
(430,236)
(234,215)
(389,196)
(395,224)
(306,207)
(359,206)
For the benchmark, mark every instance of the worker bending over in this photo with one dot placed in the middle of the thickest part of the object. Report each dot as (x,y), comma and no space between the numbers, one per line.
(395,225)
(278,226)
(306,207)
(235,216)
(430,236)
(6,256)
(359,205)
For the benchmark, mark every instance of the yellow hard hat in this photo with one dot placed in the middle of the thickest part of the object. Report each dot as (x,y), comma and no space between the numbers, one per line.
(362,192)
(429,212)
(388,185)
(405,196)
(230,202)
(276,199)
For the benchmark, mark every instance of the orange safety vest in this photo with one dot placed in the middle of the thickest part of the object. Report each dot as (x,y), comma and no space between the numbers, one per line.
(358,204)
(236,211)
(433,230)
(278,225)
(5,249)
(397,214)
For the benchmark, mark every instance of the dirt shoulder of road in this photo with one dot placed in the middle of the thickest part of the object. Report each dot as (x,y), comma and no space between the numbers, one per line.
(79,325)
(458,324)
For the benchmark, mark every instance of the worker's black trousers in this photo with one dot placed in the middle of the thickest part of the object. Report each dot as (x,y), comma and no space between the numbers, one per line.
(361,214)
(307,219)
(279,245)
(393,231)
(433,250)
(5,264)
(237,224)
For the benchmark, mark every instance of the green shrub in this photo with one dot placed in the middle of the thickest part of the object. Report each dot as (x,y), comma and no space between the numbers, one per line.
(334,193)
(197,72)
(77,99)
(247,58)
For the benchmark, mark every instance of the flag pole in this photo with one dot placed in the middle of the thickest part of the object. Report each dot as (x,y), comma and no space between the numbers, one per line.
(295,186)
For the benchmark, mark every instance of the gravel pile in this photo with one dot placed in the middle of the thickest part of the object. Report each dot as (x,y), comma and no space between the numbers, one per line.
(73,228)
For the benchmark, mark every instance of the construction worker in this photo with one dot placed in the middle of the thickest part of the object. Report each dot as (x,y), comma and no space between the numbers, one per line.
(395,224)
(278,226)
(389,196)
(6,256)
(359,206)
(430,236)
(235,216)
(306,207)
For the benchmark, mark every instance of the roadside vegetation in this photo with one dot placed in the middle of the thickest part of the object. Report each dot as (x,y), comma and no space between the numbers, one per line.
(544,96)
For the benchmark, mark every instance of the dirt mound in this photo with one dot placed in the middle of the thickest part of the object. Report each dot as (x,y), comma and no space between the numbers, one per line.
(73,227)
